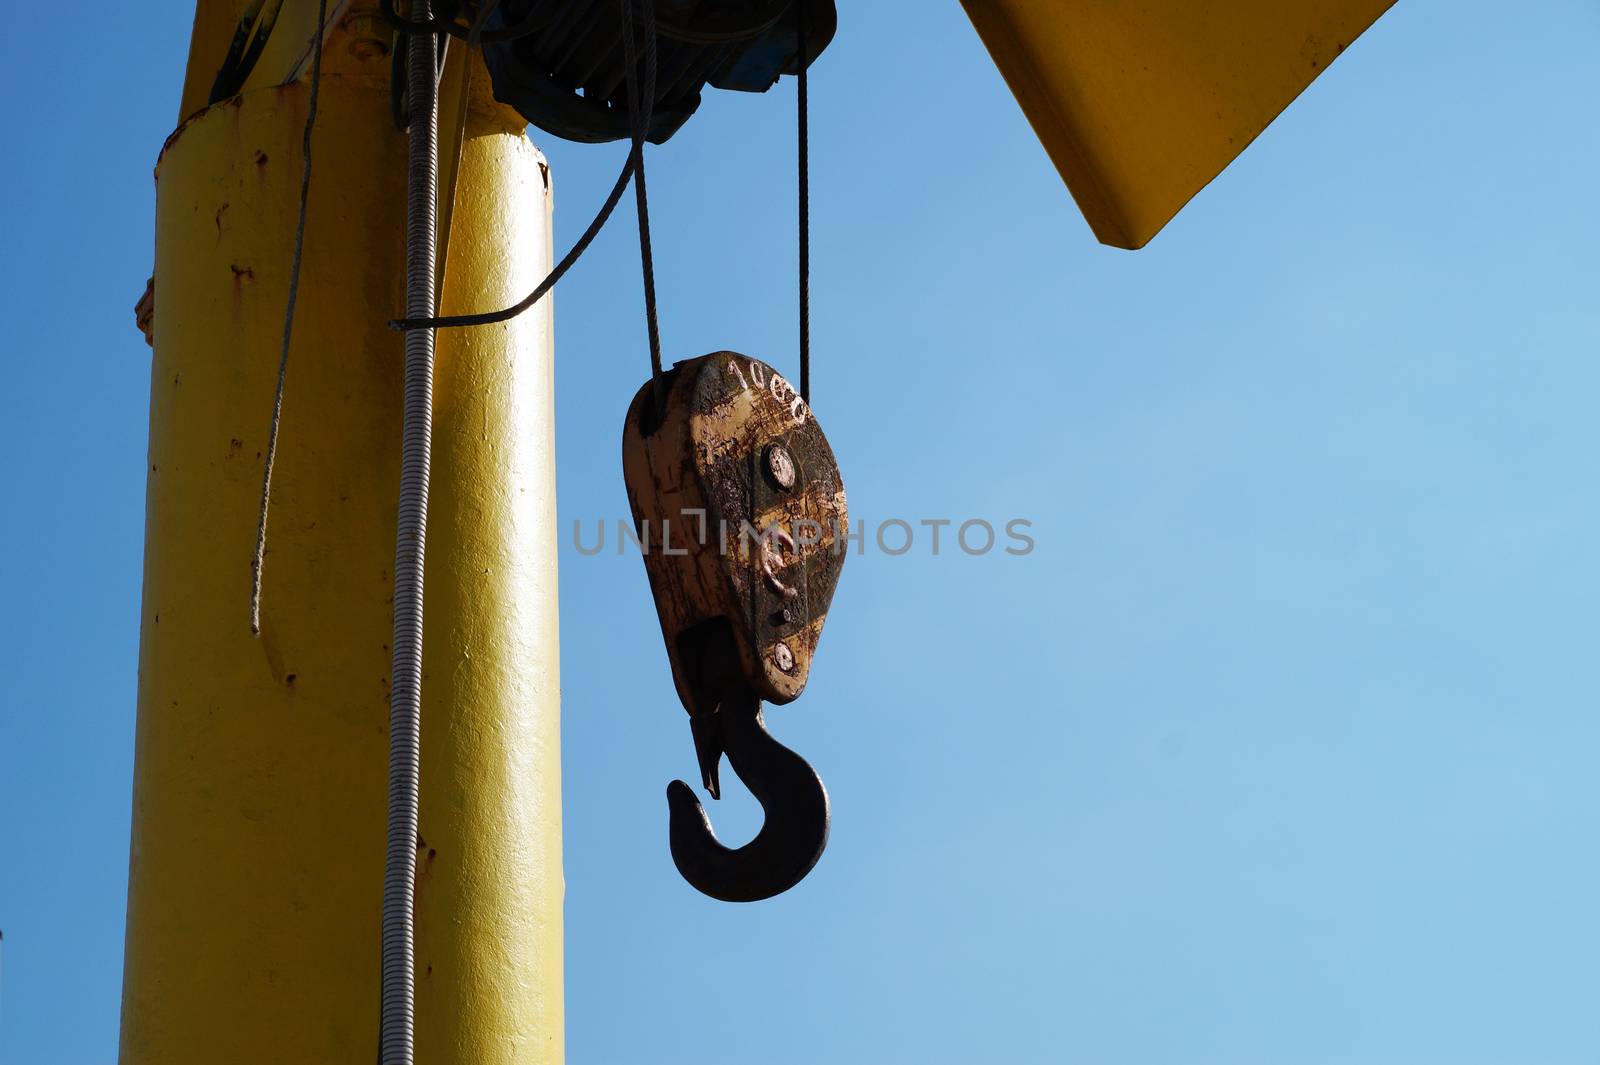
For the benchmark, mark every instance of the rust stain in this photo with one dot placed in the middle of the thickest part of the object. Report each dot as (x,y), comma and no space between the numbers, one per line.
(242,273)
(425,860)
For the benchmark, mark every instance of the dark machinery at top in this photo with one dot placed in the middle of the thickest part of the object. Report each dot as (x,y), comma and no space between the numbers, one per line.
(560,62)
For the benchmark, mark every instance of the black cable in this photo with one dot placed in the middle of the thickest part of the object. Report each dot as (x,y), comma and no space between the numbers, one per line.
(804,153)
(458,321)
(642,119)
(641,124)
(480,22)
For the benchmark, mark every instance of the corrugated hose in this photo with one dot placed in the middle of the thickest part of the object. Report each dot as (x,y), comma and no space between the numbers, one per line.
(405,696)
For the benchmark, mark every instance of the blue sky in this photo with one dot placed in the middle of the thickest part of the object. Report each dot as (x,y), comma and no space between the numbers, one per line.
(1278,748)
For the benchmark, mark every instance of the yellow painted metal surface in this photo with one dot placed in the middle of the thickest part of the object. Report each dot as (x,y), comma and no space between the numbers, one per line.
(259,799)
(214,21)
(361,35)
(1140,103)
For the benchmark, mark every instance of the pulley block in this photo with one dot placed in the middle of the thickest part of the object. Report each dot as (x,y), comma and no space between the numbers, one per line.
(740,513)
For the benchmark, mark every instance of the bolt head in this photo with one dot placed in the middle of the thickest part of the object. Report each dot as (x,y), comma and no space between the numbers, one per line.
(783,657)
(780,466)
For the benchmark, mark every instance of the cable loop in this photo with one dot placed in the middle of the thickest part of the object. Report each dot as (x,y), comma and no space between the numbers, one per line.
(641,119)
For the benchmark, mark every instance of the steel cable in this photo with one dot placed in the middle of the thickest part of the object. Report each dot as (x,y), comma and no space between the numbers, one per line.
(258,557)
(802,107)
(640,120)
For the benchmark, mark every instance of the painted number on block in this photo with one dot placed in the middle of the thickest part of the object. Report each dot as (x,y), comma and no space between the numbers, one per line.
(774,386)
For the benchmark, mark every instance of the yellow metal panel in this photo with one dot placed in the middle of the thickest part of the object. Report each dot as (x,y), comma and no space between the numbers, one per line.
(287,54)
(1140,103)
(259,796)
(214,21)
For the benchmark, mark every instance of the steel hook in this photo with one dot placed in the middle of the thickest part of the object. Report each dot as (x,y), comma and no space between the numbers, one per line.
(790,792)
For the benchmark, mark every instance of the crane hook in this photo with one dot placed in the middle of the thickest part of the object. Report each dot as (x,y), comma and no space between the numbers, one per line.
(792,795)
